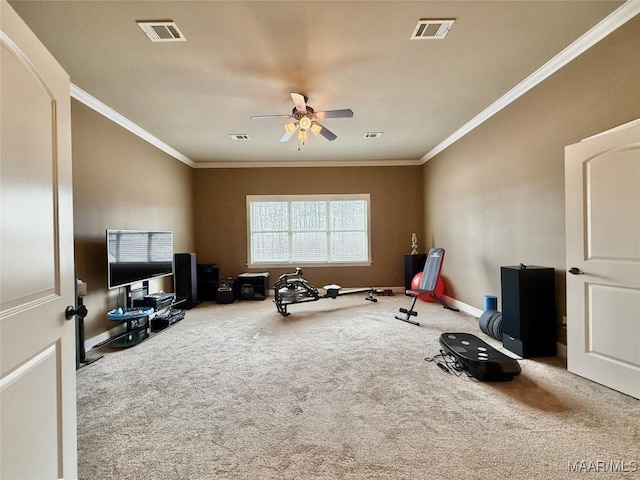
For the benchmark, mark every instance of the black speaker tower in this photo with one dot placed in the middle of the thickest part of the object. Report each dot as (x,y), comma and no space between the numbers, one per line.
(185,279)
(207,281)
(528,310)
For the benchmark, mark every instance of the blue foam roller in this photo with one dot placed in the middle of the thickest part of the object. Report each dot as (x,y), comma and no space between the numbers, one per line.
(490,302)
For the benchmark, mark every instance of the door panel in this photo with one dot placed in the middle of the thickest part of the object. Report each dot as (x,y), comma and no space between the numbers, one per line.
(27,186)
(602,188)
(612,195)
(34,416)
(37,343)
(603,338)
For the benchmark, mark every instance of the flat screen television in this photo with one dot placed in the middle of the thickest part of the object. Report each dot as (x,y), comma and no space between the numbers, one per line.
(135,255)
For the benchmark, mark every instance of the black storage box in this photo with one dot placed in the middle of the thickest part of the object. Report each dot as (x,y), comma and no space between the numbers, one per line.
(253,286)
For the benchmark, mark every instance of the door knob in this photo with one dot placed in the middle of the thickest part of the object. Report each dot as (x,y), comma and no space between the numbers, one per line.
(70,312)
(575,271)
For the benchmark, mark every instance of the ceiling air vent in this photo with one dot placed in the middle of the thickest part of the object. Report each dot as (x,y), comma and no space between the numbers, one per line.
(161,31)
(431,29)
(370,135)
(239,136)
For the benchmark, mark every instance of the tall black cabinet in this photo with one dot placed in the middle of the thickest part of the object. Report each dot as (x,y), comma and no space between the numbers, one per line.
(528,310)
(413,264)
(185,279)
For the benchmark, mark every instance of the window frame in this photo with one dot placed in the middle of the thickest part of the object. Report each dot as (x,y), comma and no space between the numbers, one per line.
(366,197)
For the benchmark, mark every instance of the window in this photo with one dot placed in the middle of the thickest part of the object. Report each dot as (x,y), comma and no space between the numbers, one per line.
(308,229)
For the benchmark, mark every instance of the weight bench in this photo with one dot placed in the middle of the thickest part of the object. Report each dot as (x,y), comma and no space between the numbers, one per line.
(428,282)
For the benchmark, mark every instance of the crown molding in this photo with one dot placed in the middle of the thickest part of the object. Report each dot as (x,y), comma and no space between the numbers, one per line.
(613,21)
(95,104)
(296,163)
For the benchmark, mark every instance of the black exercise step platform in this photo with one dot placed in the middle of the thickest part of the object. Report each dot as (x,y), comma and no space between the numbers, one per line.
(478,358)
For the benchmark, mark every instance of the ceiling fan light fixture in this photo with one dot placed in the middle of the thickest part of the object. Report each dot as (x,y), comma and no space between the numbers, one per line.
(291,127)
(315,128)
(305,123)
(302,135)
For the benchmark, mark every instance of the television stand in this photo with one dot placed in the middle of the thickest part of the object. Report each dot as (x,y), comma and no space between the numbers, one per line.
(137,326)
(142,323)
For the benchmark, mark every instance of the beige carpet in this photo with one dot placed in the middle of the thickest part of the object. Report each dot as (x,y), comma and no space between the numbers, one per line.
(338,390)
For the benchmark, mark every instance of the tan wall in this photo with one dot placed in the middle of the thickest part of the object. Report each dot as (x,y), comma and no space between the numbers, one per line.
(121,181)
(496,197)
(396,212)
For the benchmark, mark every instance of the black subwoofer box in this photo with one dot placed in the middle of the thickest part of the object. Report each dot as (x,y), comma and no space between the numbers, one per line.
(207,281)
(185,279)
(528,310)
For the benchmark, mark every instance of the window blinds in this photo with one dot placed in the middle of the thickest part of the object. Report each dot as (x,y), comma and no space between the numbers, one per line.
(308,229)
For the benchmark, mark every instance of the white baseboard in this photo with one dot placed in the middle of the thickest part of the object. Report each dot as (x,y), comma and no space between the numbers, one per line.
(473,311)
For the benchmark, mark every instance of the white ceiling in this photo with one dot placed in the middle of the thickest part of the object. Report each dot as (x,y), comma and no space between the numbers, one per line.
(244,58)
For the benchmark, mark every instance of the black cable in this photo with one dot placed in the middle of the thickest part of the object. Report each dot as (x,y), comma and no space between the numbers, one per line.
(448,363)
(118,297)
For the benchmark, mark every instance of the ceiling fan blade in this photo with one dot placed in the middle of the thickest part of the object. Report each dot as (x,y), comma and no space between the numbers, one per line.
(286,136)
(343,113)
(258,117)
(326,133)
(299,102)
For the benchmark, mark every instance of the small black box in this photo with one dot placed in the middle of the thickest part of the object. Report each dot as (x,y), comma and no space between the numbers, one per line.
(226,291)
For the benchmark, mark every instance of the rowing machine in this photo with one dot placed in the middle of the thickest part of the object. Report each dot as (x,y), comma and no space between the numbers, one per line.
(291,288)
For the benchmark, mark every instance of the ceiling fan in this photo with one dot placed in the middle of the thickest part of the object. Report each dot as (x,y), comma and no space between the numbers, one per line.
(304,119)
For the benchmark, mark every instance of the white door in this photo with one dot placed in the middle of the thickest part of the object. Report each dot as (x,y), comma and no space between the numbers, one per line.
(602,189)
(37,346)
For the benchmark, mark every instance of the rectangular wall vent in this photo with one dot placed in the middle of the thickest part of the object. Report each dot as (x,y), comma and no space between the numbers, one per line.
(370,135)
(431,29)
(239,136)
(161,31)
